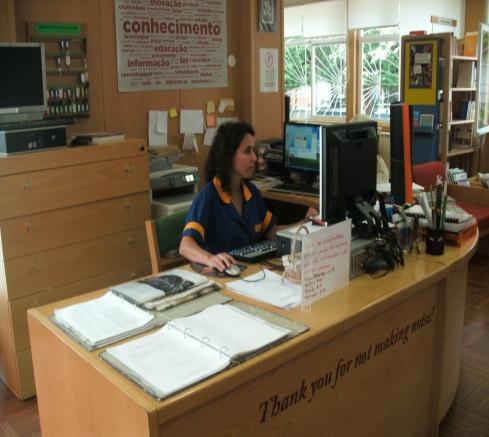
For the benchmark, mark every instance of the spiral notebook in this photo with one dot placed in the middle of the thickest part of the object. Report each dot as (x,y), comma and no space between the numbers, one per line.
(455,214)
(189,349)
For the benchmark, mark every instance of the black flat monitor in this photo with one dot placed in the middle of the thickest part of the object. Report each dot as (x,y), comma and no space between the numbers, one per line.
(348,170)
(22,81)
(302,146)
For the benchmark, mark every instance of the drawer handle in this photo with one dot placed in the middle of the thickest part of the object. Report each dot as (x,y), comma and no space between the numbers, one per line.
(33,266)
(131,241)
(127,168)
(129,205)
(29,227)
(133,275)
(27,185)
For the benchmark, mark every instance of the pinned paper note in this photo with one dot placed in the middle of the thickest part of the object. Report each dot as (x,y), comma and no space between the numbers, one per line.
(222,120)
(173,113)
(210,133)
(226,105)
(211,107)
(157,129)
(191,121)
(210,120)
(190,142)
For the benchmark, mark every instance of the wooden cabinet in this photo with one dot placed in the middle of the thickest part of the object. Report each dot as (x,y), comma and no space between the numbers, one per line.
(71,220)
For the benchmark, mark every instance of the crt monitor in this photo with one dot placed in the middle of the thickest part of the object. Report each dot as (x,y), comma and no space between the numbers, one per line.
(348,170)
(302,145)
(22,82)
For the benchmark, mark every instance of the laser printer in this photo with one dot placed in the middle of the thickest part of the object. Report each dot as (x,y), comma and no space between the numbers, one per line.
(173,186)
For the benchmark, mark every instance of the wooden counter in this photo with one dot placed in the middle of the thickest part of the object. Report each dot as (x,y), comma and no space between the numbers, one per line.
(296,199)
(382,357)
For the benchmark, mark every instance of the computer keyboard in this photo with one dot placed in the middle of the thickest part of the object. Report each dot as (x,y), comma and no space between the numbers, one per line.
(296,188)
(256,252)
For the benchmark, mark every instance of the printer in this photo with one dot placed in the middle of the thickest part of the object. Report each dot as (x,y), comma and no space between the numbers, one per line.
(173,186)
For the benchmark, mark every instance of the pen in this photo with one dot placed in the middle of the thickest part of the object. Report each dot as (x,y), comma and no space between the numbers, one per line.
(444,212)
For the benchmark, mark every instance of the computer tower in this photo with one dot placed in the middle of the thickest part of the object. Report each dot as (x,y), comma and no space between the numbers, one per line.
(401,153)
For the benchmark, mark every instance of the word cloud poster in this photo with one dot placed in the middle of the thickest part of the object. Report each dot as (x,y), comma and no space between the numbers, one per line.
(171,44)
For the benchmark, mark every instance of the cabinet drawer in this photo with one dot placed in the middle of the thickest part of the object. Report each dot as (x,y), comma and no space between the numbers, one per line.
(62,157)
(19,307)
(48,230)
(68,186)
(34,273)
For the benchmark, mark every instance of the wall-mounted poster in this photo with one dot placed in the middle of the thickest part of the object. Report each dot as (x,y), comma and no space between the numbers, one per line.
(267,11)
(421,65)
(483,80)
(164,45)
(420,71)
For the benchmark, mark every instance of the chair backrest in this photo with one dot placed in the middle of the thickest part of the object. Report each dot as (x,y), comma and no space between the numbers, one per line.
(164,238)
(425,174)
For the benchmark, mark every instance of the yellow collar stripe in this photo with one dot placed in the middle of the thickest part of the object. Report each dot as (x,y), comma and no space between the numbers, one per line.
(268,219)
(196,226)
(225,197)
(263,225)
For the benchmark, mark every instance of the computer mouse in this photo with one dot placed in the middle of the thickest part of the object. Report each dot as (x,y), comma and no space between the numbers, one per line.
(233,270)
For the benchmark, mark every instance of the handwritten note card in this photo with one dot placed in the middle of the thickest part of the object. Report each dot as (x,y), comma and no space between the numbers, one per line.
(325,261)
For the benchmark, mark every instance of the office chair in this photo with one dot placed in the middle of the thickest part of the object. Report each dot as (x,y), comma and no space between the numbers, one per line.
(163,241)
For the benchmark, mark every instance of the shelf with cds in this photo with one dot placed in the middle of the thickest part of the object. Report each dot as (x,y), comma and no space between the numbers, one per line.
(66,67)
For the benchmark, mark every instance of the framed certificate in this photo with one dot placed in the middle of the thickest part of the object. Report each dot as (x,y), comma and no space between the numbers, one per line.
(267,11)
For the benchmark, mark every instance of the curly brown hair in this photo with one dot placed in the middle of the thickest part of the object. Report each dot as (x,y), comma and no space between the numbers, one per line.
(220,161)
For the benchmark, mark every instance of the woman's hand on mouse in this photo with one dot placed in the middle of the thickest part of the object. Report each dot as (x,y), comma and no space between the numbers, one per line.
(221,261)
(311,212)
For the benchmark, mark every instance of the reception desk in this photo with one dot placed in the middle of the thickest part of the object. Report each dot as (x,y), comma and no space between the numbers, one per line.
(382,356)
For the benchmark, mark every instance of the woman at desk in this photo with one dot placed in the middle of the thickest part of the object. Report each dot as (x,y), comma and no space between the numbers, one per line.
(229,211)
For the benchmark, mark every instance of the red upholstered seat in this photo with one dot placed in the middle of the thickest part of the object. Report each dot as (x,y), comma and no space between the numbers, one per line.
(425,174)
(481,213)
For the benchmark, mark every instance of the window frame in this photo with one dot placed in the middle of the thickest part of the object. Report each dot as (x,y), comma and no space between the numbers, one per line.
(313,43)
(361,39)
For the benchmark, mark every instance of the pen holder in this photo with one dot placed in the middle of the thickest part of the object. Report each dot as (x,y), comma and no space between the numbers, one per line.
(435,241)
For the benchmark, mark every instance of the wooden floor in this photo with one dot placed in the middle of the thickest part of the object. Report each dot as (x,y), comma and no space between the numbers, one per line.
(468,417)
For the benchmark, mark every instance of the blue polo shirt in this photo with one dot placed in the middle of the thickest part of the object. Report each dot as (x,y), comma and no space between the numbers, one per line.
(215,225)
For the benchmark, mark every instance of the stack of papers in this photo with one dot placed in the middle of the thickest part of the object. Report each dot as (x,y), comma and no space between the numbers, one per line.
(189,349)
(272,289)
(102,321)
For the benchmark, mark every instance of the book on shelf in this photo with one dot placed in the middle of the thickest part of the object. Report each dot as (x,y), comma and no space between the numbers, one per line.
(465,74)
(96,138)
(461,136)
(470,43)
(189,349)
(104,320)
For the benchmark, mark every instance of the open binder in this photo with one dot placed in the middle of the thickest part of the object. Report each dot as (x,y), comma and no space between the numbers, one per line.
(190,349)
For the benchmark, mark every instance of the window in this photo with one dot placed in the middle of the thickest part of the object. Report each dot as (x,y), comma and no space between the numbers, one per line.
(315,78)
(379,77)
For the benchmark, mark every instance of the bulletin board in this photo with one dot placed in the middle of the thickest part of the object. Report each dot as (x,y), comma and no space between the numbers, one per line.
(421,72)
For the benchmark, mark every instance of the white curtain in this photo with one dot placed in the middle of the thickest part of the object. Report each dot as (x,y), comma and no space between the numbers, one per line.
(372,13)
(331,17)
